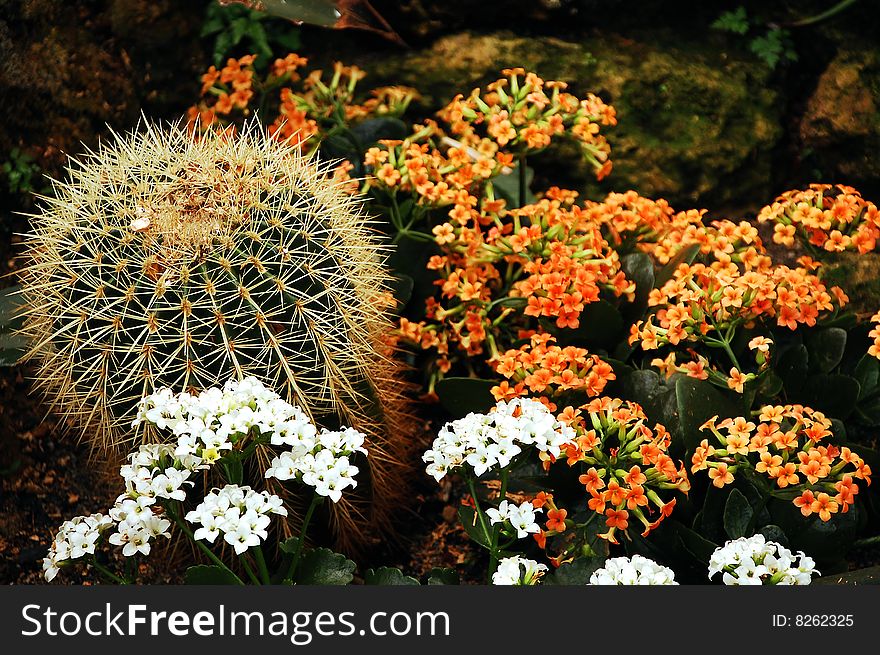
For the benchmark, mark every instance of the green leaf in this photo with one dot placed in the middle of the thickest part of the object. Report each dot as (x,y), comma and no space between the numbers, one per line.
(387,577)
(835,395)
(737,514)
(735,21)
(507,186)
(470,521)
(696,402)
(441,576)
(792,367)
(324,567)
(684,256)
(289,40)
(575,573)
(638,268)
(826,348)
(648,389)
(774,533)
(209,574)
(693,543)
(459,396)
(770,385)
(601,326)
(232,467)
(375,129)
(868,375)
(238,28)
(12,344)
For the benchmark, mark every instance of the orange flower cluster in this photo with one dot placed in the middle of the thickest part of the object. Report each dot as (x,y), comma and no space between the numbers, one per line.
(788,447)
(874,348)
(433,178)
(625,465)
(315,108)
(522,113)
(831,217)
(544,369)
(705,303)
(501,272)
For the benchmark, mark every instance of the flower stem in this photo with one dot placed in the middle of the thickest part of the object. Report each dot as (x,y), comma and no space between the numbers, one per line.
(207,551)
(108,573)
(302,538)
(248,569)
(261,564)
(496,529)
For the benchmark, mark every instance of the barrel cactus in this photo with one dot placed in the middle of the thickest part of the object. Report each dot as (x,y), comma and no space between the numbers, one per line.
(173,260)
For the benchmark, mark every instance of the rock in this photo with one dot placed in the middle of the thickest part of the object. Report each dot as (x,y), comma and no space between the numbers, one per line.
(695,124)
(840,127)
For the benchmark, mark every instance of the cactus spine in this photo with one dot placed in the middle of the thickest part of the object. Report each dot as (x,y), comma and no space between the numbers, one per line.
(181,261)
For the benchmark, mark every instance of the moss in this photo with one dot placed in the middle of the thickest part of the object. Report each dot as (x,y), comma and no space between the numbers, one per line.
(692,120)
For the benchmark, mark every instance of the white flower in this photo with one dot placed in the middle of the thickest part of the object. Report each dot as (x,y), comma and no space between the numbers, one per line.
(240,514)
(518,570)
(521,518)
(76,538)
(637,570)
(320,460)
(486,441)
(756,561)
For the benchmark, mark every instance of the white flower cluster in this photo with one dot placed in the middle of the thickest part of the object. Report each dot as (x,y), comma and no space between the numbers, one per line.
(483,441)
(521,517)
(320,460)
(636,570)
(75,538)
(756,561)
(240,514)
(519,571)
(208,424)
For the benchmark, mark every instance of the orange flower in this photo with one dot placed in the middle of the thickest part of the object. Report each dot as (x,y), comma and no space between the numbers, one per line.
(556,520)
(824,506)
(617,518)
(720,475)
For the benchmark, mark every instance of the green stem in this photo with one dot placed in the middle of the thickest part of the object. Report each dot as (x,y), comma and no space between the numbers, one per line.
(261,564)
(867,542)
(248,569)
(483,524)
(302,538)
(496,529)
(207,551)
(108,573)
(836,9)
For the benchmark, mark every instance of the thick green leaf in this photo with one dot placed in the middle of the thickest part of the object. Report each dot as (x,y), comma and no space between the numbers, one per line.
(601,326)
(684,256)
(507,186)
(696,402)
(737,514)
(868,374)
(209,574)
(232,467)
(774,533)
(826,348)
(835,395)
(370,131)
(441,576)
(693,543)
(470,521)
(388,577)
(638,268)
(792,367)
(648,389)
(575,573)
(459,396)
(324,567)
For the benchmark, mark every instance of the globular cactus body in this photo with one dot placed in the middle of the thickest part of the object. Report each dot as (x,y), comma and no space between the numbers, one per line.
(181,261)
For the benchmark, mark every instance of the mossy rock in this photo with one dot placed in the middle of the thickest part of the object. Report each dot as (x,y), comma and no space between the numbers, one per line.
(695,124)
(840,129)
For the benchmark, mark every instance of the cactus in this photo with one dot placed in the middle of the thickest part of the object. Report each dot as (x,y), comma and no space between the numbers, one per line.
(173,260)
